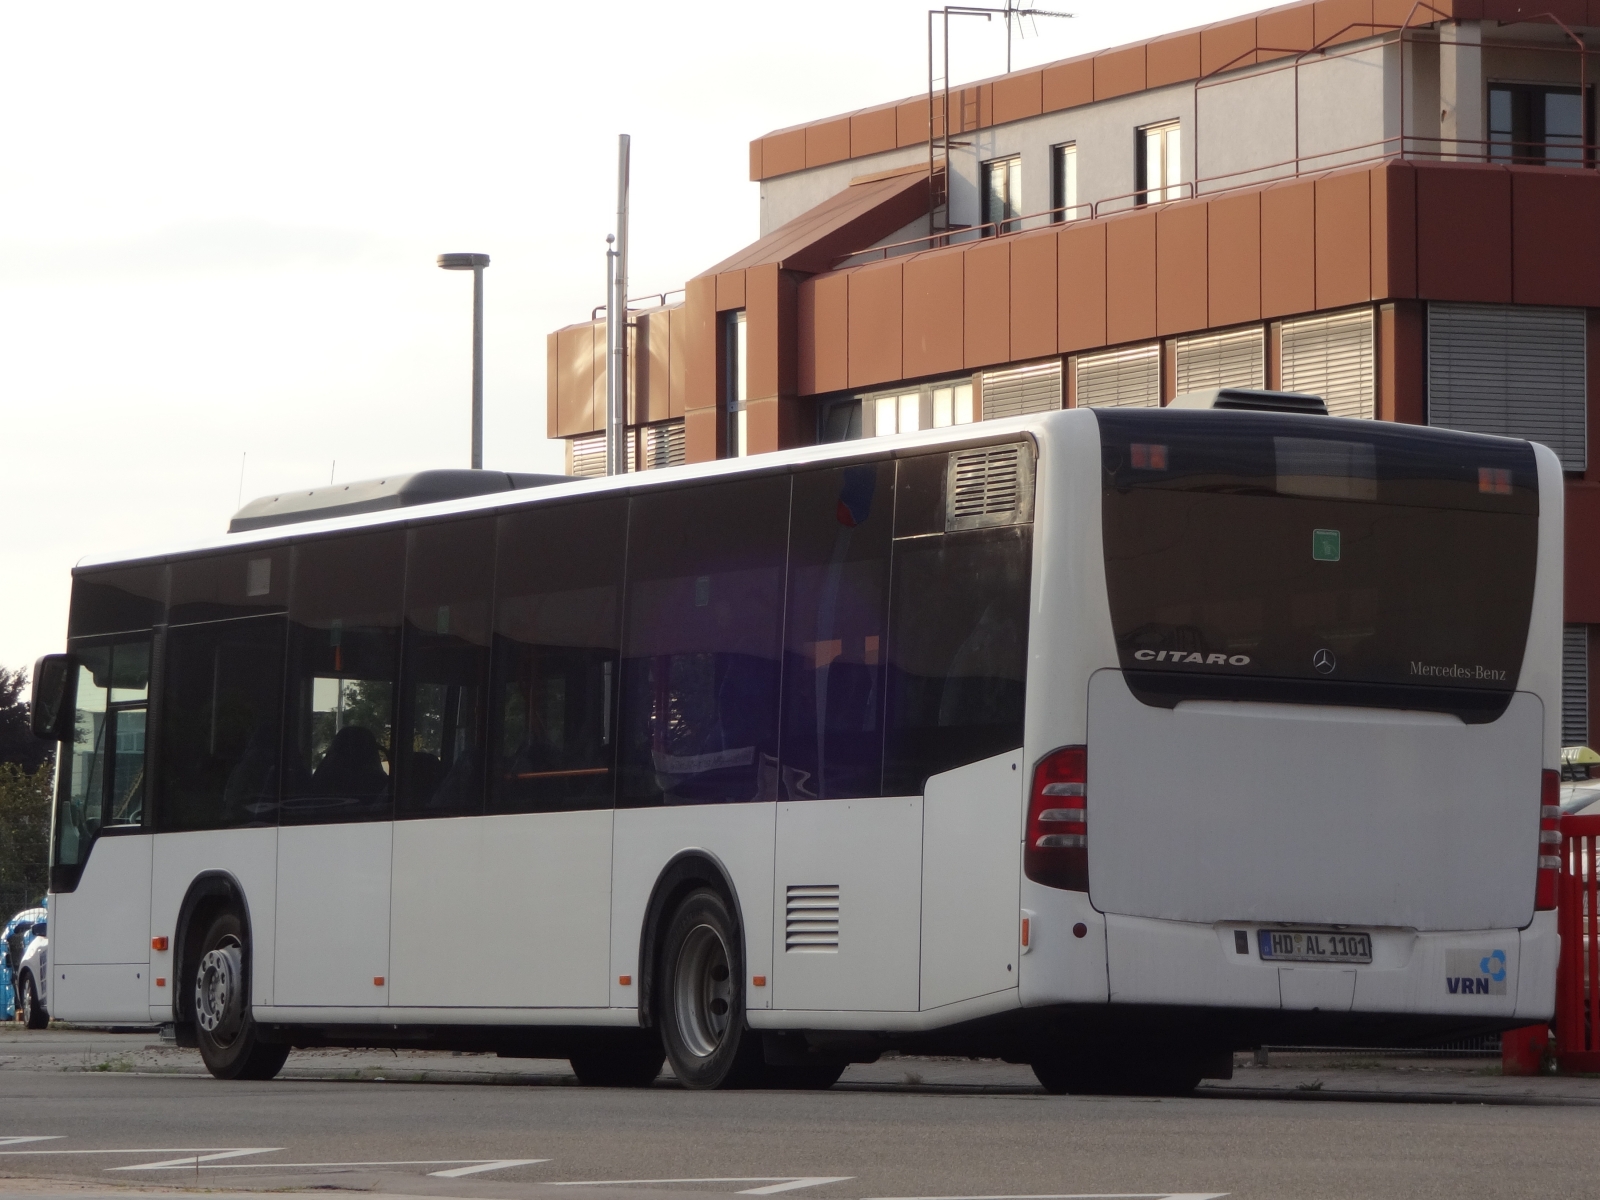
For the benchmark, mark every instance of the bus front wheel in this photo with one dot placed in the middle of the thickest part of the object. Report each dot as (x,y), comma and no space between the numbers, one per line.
(622,1061)
(230,1043)
(701,992)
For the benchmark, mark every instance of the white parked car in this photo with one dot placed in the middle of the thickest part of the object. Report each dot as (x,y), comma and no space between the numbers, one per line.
(33,978)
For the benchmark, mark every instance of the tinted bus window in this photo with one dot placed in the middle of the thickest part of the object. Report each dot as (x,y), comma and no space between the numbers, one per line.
(1255,556)
(835,640)
(558,602)
(221,709)
(958,651)
(703,634)
(344,657)
(444,711)
(229,585)
(118,600)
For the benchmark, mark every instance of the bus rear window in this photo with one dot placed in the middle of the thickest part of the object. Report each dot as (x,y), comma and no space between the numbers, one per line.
(1262,556)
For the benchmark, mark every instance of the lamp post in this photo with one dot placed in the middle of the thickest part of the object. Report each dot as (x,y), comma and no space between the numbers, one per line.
(474,263)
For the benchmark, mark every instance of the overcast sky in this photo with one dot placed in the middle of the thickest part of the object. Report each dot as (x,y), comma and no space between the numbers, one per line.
(218,224)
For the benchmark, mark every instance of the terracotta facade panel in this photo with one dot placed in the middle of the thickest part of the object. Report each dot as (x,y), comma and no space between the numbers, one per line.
(657,390)
(1344,239)
(1282,32)
(1018,96)
(575,386)
(911,122)
(1119,72)
(552,385)
(1334,22)
(1394,230)
(828,142)
(1582,563)
(1391,14)
(700,336)
(1034,332)
(823,327)
(1081,286)
(931,325)
(1401,377)
(762,331)
(1131,277)
(1464,233)
(1181,246)
(1227,47)
(1173,59)
(677,360)
(755,161)
(701,428)
(988,303)
(1288,249)
(1068,84)
(782,153)
(730,291)
(875,325)
(873,131)
(1233,259)
(1555,237)
(762,434)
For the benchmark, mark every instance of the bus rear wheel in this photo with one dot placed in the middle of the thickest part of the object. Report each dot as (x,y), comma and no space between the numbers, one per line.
(33,1013)
(632,1061)
(701,990)
(230,1043)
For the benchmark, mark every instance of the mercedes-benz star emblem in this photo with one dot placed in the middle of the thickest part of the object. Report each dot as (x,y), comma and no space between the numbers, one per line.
(1324,661)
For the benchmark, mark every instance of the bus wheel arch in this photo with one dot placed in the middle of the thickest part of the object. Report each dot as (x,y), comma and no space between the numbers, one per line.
(684,874)
(210,893)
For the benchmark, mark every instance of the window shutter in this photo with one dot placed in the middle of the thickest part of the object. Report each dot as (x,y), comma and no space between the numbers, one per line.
(1511,369)
(1575,685)
(1018,390)
(588,455)
(1236,358)
(1120,378)
(663,445)
(1331,357)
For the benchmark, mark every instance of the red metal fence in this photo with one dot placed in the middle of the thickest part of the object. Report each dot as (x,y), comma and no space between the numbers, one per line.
(1578,979)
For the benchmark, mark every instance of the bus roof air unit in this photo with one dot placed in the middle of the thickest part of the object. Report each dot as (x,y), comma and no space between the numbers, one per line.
(379,495)
(1253,400)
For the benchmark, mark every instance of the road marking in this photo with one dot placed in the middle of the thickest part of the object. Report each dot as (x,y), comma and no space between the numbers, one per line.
(197,1161)
(498,1164)
(17,1141)
(779,1183)
(1079,1196)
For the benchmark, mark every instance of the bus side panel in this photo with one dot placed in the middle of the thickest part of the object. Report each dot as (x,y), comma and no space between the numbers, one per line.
(100,935)
(333,915)
(972,828)
(250,857)
(503,897)
(737,836)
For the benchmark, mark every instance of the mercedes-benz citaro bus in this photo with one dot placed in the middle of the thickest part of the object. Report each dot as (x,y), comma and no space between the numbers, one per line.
(1108,741)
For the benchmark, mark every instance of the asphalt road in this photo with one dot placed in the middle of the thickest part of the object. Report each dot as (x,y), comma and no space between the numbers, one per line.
(115,1112)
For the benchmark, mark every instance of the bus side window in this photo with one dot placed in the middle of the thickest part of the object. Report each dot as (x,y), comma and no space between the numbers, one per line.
(702,643)
(443,710)
(836,627)
(222,706)
(558,596)
(344,658)
(958,651)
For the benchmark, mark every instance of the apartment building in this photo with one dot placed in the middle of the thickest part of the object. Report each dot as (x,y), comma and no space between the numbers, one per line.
(1390,203)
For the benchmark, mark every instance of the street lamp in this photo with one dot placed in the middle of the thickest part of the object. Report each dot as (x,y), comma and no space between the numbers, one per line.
(474,263)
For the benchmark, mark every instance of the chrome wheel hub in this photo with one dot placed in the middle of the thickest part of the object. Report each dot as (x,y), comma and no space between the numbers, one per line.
(219,991)
(703,991)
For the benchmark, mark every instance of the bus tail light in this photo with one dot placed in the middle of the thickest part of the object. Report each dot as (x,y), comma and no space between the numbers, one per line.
(1549,840)
(1057,850)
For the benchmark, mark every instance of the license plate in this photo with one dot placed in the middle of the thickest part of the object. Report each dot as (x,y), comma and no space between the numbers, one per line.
(1314,945)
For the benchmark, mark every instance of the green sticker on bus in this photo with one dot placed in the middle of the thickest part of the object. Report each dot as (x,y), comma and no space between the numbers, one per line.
(1325,545)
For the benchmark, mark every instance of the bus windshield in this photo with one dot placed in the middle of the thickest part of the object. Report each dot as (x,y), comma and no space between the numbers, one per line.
(1309,559)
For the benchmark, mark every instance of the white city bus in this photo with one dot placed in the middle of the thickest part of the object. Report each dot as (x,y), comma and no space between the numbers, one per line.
(1110,741)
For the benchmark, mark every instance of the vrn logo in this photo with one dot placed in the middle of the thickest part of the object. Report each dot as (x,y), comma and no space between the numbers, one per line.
(1475,972)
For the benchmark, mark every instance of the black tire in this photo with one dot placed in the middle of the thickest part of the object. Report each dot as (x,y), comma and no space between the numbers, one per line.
(33,1013)
(1062,1075)
(632,1061)
(818,1077)
(700,1005)
(219,989)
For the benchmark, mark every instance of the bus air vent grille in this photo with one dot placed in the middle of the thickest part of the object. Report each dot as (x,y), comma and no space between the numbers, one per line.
(811,919)
(991,485)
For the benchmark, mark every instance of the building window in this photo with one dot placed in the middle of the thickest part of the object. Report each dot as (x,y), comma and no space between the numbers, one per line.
(1002,193)
(1331,357)
(1539,125)
(1575,685)
(1016,391)
(1160,163)
(1235,359)
(1064,182)
(736,382)
(904,410)
(1126,378)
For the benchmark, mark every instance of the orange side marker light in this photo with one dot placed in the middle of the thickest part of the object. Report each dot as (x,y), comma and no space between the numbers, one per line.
(160,982)
(758,981)
(158,943)
(377,981)
(625,980)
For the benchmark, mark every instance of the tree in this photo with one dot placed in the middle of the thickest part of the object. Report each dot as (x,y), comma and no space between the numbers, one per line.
(24,835)
(17,743)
